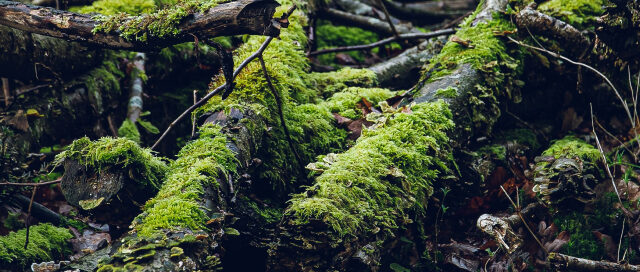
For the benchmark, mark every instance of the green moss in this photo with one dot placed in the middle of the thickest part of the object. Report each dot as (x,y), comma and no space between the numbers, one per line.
(579,13)
(449,92)
(113,7)
(572,147)
(485,52)
(269,214)
(46,243)
(330,36)
(142,20)
(179,202)
(116,152)
(387,173)
(332,82)
(520,135)
(498,151)
(13,221)
(129,130)
(344,103)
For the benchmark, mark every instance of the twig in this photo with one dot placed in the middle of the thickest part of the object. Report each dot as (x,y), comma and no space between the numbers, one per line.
(206,98)
(112,126)
(518,211)
(31,184)
(193,118)
(553,54)
(27,222)
(387,17)
(407,36)
(567,262)
(604,158)
(281,114)
(6,91)
(620,241)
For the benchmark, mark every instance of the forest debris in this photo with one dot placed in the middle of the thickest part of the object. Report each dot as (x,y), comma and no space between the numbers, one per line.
(500,230)
(566,262)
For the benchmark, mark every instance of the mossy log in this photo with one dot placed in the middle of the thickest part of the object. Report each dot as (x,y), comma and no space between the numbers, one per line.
(155,31)
(25,56)
(347,219)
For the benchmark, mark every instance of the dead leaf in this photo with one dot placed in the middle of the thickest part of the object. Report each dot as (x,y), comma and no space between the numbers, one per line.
(460,41)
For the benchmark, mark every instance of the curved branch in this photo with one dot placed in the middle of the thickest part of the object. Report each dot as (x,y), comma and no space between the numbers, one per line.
(237,17)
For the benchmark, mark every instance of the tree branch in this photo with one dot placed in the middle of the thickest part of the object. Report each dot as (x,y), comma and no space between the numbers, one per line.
(237,17)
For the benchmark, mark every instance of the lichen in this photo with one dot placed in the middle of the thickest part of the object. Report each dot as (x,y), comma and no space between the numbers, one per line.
(116,152)
(388,172)
(129,130)
(572,147)
(46,243)
(578,13)
(179,204)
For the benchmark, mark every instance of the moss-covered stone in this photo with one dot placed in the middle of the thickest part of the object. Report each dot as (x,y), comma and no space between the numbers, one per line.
(46,243)
(121,152)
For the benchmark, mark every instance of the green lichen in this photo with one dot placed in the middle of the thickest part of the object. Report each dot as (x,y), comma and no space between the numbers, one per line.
(388,172)
(129,130)
(116,152)
(178,204)
(579,13)
(46,243)
(141,20)
(572,147)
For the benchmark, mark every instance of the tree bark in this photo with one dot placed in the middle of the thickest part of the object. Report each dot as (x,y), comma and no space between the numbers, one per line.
(232,18)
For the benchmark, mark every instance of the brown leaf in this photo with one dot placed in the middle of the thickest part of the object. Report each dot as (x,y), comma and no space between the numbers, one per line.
(342,120)
(355,128)
(464,43)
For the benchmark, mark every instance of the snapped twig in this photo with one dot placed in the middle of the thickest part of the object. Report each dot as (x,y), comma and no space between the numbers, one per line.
(524,222)
(27,222)
(281,114)
(236,72)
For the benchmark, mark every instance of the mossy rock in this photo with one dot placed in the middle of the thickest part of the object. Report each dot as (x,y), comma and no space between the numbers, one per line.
(46,243)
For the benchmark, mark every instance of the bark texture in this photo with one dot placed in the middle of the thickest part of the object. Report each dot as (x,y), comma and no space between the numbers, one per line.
(237,17)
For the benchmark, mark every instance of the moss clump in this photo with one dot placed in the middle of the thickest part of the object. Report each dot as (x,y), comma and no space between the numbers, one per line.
(388,172)
(345,102)
(129,130)
(330,36)
(572,147)
(497,151)
(579,13)
(116,152)
(179,202)
(522,136)
(449,92)
(113,7)
(46,243)
(485,51)
(332,82)
(141,20)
